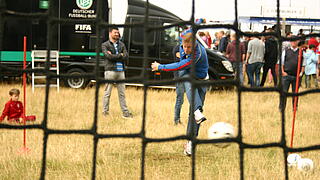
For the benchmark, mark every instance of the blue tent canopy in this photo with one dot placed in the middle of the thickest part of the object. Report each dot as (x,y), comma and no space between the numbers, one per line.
(273,20)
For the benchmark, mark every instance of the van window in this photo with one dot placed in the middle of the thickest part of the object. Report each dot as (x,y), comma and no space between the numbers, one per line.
(171,36)
(137,35)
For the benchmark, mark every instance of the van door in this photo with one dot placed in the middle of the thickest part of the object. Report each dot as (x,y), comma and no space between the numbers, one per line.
(169,38)
(12,35)
(15,29)
(39,27)
(134,41)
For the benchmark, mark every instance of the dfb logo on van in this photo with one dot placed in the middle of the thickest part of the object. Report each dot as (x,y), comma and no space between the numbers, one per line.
(84,4)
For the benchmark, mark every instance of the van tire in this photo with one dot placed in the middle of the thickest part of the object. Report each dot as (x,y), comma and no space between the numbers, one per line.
(76,83)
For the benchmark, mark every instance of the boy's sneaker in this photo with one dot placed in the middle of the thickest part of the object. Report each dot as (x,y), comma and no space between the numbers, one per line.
(127,115)
(199,117)
(188,149)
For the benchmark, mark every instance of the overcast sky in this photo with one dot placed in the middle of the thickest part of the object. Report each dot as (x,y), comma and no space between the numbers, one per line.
(224,9)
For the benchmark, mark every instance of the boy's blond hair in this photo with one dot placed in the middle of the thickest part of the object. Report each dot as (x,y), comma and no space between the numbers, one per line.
(188,38)
(14,92)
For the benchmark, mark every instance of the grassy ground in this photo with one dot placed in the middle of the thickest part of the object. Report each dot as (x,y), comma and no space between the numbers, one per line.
(70,156)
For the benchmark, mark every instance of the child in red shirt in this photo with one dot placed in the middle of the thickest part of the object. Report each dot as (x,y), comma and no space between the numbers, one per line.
(14,109)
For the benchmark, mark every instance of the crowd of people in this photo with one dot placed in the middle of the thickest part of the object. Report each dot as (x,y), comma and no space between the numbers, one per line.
(258,54)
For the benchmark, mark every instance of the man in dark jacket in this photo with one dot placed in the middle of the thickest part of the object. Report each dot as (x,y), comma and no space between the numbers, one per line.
(290,61)
(231,54)
(270,57)
(223,42)
(116,55)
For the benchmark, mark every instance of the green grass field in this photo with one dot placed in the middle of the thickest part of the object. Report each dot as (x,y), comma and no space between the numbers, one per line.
(70,156)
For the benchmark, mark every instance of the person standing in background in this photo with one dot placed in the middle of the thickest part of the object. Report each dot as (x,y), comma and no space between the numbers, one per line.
(209,40)
(216,40)
(311,66)
(223,43)
(203,37)
(255,60)
(179,88)
(290,58)
(232,56)
(271,58)
(313,41)
(116,55)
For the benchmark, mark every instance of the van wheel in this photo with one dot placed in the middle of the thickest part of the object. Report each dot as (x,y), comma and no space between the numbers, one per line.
(76,82)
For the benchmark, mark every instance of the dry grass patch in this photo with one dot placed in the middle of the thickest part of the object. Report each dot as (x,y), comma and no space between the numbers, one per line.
(70,156)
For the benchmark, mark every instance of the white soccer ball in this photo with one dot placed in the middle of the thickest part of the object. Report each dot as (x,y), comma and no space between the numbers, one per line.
(293,159)
(221,130)
(305,165)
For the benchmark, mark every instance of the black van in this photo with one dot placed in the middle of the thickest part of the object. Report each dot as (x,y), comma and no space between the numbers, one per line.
(76,41)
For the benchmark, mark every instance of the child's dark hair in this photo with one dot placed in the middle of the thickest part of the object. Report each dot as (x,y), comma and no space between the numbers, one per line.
(311,46)
(301,42)
(14,92)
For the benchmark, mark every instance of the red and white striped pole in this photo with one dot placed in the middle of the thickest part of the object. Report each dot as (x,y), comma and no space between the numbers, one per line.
(296,97)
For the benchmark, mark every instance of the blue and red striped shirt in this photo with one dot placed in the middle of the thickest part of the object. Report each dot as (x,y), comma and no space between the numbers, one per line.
(200,61)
